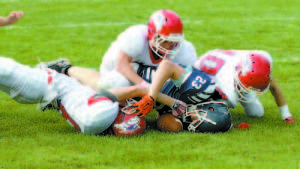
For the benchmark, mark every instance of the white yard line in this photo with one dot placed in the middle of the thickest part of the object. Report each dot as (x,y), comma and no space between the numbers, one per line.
(295,59)
(95,24)
(112,24)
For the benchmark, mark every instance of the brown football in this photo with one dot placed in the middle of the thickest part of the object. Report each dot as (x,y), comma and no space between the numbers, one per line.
(169,123)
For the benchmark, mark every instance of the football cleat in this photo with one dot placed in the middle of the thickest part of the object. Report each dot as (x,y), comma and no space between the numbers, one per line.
(54,105)
(60,65)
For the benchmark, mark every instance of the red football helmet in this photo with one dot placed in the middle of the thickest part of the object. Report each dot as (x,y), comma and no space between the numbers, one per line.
(253,76)
(165,26)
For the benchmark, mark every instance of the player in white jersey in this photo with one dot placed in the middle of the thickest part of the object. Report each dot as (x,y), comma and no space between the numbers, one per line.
(12,18)
(88,111)
(241,77)
(148,44)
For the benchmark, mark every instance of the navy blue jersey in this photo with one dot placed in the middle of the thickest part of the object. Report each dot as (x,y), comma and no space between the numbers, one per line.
(193,88)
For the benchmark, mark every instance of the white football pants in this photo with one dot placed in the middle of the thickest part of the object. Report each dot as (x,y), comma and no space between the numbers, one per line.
(88,113)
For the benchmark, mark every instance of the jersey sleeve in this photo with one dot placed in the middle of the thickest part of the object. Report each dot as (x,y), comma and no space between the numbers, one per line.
(133,41)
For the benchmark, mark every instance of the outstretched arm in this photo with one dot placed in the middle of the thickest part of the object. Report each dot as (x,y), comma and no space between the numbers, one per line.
(281,102)
(166,70)
(12,18)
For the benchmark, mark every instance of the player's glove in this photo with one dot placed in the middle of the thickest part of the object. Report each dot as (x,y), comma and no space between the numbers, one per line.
(178,108)
(141,108)
(289,120)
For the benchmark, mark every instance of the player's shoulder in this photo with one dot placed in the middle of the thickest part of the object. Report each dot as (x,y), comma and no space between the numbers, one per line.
(133,40)
(187,47)
(140,31)
(187,54)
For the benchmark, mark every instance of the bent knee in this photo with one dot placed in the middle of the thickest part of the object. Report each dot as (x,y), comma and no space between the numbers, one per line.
(254,109)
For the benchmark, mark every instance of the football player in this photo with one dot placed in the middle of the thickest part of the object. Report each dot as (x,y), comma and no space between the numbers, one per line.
(201,108)
(12,18)
(148,44)
(191,86)
(90,112)
(238,74)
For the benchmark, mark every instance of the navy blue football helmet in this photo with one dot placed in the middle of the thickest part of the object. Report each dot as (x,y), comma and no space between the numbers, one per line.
(208,117)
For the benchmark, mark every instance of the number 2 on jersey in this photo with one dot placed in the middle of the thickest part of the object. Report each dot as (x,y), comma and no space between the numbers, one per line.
(211,64)
(198,82)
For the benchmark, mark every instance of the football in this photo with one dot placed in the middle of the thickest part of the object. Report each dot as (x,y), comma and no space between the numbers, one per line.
(128,125)
(169,123)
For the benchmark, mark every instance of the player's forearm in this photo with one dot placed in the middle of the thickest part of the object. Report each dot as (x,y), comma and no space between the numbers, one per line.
(3,21)
(277,93)
(280,100)
(124,93)
(123,66)
(166,70)
(166,100)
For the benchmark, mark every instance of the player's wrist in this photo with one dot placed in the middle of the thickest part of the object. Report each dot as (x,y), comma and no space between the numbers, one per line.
(145,84)
(285,112)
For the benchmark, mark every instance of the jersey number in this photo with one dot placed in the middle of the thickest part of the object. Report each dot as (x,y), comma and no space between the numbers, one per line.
(198,82)
(211,64)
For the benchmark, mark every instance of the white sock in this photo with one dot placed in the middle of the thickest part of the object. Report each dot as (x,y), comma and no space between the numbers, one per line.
(285,112)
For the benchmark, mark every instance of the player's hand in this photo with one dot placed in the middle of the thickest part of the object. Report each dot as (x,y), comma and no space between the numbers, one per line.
(141,108)
(14,16)
(289,120)
(178,108)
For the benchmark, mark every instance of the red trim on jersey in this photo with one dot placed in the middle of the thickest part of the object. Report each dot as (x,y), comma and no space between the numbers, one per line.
(94,99)
(213,68)
(154,61)
(49,78)
(66,115)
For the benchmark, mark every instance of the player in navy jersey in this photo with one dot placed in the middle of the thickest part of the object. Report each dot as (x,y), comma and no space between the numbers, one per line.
(199,102)
(193,87)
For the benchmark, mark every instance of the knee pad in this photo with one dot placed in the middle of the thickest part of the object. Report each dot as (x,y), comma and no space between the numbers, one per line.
(254,108)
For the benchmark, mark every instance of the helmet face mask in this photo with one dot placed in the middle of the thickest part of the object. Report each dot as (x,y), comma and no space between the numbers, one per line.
(166,47)
(241,91)
(212,116)
(165,33)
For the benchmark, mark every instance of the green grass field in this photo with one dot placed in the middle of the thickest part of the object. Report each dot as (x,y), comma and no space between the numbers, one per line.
(83,30)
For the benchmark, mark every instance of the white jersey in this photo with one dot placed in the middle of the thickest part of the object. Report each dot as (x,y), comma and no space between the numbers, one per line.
(221,65)
(134,43)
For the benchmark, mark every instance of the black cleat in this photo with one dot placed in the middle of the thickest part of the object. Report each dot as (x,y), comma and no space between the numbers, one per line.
(60,65)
